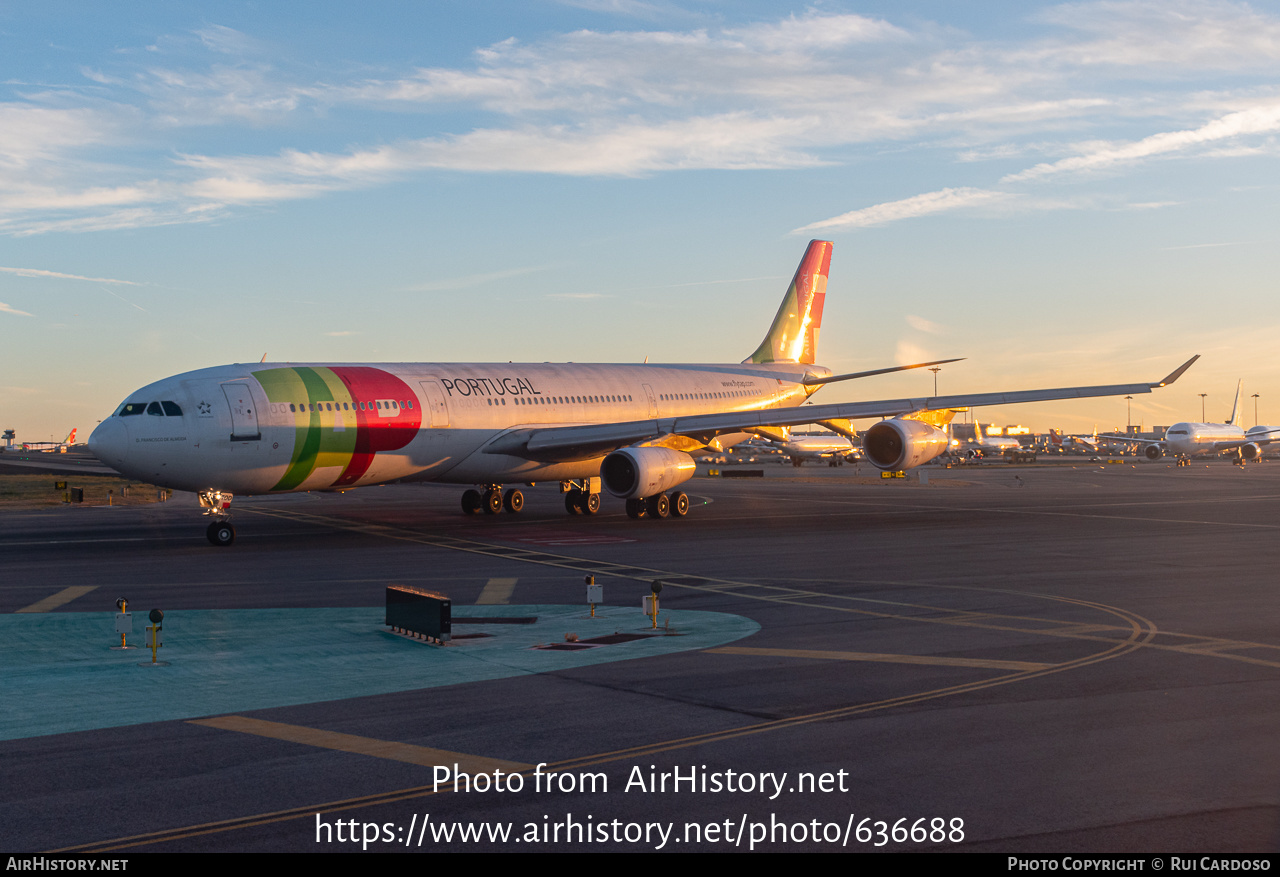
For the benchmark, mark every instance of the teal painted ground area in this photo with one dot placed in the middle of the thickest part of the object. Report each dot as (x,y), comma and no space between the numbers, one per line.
(61,675)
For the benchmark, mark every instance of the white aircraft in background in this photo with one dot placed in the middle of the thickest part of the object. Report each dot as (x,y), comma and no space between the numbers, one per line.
(1186,440)
(266,428)
(51,447)
(1060,441)
(981,445)
(834,449)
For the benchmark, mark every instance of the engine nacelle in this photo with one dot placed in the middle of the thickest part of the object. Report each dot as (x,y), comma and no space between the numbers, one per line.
(1250,452)
(1153,452)
(902,444)
(643,472)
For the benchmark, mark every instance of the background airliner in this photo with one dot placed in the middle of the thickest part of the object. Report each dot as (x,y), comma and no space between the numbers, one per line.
(51,447)
(1186,440)
(269,427)
(981,445)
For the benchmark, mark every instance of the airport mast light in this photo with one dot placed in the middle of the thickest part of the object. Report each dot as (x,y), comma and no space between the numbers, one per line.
(1255,409)
(1202,395)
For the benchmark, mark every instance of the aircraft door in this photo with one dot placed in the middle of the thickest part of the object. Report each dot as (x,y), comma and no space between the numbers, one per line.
(244,419)
(653,402)
(437,408)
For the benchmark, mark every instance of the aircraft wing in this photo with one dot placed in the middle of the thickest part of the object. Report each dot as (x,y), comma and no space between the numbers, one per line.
(562,443)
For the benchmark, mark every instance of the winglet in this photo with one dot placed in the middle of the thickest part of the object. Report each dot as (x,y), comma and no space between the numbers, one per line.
(1176,373)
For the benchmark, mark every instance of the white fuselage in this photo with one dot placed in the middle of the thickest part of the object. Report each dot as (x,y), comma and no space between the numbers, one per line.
(272,427)
(810,446)
(1190,439)
(1266,432)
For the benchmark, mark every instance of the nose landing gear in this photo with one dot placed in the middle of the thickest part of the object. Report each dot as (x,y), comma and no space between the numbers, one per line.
(217,504)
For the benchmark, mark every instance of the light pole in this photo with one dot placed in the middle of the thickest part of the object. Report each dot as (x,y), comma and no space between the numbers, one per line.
(1128,414)
(1255,409)
(935,370)
(1202,395)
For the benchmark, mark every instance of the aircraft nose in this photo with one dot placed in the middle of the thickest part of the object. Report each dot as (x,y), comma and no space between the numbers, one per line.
(108,442)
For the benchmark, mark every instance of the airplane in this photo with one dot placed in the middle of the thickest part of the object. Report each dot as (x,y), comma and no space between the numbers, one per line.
(835,449)
(1059,441)
(981,445)
(51,447)
(268,428)
(1186,440)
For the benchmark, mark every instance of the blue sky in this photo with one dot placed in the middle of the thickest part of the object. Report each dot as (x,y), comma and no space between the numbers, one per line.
(1063,193)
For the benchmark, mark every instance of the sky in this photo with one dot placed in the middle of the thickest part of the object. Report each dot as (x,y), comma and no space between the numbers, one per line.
(1063,194)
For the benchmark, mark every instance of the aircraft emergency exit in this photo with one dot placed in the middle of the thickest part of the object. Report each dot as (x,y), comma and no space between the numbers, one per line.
(266,428)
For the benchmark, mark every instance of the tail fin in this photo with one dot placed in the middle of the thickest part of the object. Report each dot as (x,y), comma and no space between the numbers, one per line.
(71,438)
(793,337)
(1055,438)
(1235,407)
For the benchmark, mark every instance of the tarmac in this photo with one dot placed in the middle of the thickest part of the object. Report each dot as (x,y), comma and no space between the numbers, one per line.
(1063,657)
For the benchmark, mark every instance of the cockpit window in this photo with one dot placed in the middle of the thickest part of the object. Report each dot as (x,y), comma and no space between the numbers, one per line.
(171,409)
(154,408)
(132,408)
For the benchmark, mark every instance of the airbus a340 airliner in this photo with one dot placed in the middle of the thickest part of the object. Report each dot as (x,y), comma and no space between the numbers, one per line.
(273,428)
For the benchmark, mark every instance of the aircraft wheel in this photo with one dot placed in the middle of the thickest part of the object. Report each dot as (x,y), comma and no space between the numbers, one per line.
(221,533)
(637,508)
(679,504)
(590,503)
(493,502)
(659,505)
(471,502)
(513,501)
(571,502)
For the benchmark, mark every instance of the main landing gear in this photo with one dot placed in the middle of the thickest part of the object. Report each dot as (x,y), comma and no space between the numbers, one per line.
(661,505)
(581,497)
(217,505)
(492,500)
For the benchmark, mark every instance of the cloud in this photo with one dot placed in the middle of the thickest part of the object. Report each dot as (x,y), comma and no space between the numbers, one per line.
(1259,119)
(473,280)
(226,40)
(794,92)
(907,208)
(923,325)
(1184,34)
(36,272)
(6,309)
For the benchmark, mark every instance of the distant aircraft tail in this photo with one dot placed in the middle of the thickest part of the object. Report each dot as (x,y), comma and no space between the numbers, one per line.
(1235,407)
(1056,438)
(71,438)
(793,337)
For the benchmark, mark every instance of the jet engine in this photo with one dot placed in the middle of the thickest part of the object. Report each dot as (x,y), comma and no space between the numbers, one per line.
(902,444)
(1153,452)
(643,472)
(1250,452)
